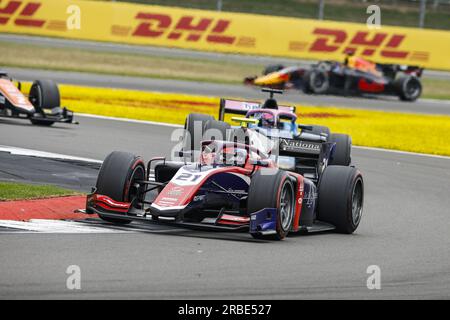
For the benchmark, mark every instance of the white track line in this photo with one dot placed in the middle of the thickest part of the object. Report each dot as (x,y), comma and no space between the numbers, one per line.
(44,154)
(408,153)
(56,226)
(437,101)
(163,124)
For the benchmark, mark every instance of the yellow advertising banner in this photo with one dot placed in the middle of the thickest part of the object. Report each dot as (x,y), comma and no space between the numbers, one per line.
(224,32)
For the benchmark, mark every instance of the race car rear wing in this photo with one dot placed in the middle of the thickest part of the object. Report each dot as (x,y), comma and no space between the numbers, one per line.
(310,156)
(413,70)
(390,70)
(295,147)
(242,107)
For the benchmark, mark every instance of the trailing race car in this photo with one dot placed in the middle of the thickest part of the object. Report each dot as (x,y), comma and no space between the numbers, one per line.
(356,76)
(41,107)
(277,122)
(233,186)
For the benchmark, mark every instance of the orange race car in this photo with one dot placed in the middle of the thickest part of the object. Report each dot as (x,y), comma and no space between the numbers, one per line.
(42,106)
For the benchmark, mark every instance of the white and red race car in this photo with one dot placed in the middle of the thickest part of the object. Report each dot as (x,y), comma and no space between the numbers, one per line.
(233,185)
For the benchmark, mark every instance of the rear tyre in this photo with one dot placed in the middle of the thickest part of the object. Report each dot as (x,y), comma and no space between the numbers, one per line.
(341,198)
(342,150)
(194,125)
(272,68)
(273,191)
(408,88)
(117,179)
(316,81)
(44,94)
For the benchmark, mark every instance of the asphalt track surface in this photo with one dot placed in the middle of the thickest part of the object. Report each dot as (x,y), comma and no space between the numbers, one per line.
(404,231)
(73,175)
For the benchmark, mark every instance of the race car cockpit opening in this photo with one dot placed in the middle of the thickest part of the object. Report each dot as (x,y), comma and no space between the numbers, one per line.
(216,155)
(266,119)
(287,123)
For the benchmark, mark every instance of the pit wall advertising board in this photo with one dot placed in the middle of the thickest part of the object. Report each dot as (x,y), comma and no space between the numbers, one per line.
(224,32)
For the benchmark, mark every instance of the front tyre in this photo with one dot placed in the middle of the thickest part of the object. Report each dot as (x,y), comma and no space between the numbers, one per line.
(341,198)
(44,94)
(118,178)
(273,190)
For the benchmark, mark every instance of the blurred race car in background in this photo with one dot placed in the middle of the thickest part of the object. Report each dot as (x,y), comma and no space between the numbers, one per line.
(41,107)
(356,76)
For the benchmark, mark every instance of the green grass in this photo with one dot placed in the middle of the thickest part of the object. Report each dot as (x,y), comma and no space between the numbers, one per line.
(22,191)
(393,12)
(436,89)
(215,71)
(36,56)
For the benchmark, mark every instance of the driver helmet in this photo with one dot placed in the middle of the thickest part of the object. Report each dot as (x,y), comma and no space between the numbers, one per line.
(267,120)
(207,159)
(234,156)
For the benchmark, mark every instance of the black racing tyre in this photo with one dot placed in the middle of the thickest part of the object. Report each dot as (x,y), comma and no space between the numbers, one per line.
(316,81)
(305,82)
(41,122)
(319,130)
(44,94)
(324,65)
(194,125)
(117,177)
(408,88)
(272,68)
(341,198)
(342,151)
(273,190)
(216,130)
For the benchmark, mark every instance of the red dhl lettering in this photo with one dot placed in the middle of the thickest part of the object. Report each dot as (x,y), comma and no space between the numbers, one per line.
(332,40)
(23,13)
(190,28)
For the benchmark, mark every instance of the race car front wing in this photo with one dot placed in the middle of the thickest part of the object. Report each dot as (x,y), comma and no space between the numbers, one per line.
(260,222)
(57,114)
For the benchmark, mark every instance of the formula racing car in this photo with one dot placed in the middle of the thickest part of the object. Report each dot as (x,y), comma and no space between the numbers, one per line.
(42,106)
(236,183)
(356,76)
(277,122)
